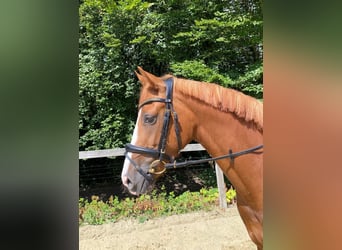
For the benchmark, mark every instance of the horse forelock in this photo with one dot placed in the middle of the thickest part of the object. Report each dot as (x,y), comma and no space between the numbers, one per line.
(224,99)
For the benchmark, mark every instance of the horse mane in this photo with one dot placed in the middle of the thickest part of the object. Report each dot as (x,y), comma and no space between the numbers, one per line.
(226,100)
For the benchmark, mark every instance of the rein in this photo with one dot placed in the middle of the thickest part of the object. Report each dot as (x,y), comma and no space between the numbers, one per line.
(231,155)
(159,153)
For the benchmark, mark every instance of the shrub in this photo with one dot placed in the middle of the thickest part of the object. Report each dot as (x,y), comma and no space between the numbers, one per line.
(148,206)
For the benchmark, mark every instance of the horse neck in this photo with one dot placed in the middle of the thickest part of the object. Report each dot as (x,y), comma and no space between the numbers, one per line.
(219,132)
(216,130)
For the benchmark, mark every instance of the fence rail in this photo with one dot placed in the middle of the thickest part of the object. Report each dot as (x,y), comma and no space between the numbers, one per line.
(121,152)
(190,147)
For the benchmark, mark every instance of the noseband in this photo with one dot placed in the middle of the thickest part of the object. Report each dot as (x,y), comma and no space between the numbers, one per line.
(159,153)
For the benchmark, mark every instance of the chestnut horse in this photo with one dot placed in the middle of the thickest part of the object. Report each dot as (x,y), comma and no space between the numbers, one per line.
(174,112)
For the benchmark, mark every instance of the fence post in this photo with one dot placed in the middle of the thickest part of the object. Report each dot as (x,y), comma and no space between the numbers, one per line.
(221,186)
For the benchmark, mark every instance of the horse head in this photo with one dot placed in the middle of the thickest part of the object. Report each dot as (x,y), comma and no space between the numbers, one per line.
(156,137)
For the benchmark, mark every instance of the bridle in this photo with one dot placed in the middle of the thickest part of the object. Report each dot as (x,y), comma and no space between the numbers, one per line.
(159,154)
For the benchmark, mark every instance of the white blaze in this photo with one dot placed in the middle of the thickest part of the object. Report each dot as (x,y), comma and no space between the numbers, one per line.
(134,140)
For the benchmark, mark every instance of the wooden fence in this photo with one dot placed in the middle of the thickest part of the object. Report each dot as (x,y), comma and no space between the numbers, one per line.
(190,147)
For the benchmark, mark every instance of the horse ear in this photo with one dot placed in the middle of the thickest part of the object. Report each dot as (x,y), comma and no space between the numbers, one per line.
(148,78)
(141,78)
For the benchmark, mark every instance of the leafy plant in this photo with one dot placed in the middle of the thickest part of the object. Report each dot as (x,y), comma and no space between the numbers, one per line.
(230,195)
(148,206)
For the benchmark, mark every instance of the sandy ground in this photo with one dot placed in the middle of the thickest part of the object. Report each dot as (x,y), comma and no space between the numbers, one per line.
(199,230)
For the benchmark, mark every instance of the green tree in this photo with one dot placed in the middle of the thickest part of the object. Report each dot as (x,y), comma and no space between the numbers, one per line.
(214,41)
(108,89)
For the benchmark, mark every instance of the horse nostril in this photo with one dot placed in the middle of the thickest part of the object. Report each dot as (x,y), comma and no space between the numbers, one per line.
(126,181)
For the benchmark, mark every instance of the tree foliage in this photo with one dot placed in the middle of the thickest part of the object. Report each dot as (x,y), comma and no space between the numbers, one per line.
(214,41)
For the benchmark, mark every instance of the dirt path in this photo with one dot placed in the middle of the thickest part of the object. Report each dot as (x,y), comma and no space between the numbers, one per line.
(200,230)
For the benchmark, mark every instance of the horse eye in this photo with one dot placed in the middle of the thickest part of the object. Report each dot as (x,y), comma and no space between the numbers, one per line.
(150,119)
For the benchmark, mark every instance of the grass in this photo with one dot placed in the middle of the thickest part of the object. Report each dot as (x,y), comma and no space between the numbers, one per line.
(145,207)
